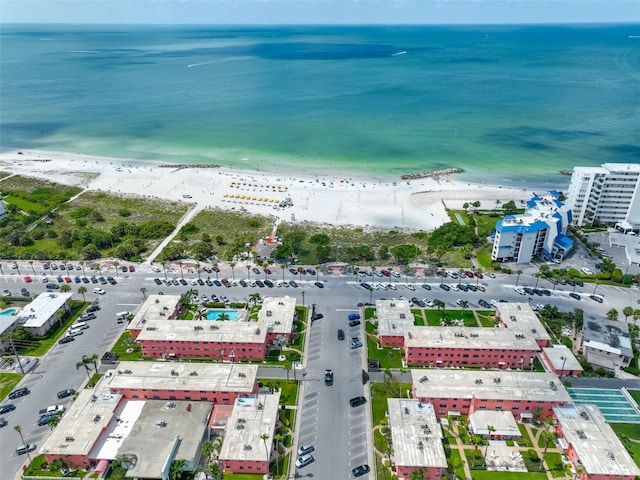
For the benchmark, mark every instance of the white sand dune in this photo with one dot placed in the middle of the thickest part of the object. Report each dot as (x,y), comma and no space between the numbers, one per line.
(419,204)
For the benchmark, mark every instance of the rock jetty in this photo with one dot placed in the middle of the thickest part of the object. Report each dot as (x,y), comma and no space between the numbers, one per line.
(431,173)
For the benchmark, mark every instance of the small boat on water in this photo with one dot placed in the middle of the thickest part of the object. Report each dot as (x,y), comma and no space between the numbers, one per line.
(403,52)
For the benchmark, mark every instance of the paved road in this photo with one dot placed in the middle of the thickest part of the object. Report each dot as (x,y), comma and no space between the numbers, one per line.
(338,428)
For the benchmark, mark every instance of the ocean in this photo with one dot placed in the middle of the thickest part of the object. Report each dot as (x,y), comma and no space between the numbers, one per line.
(507,104)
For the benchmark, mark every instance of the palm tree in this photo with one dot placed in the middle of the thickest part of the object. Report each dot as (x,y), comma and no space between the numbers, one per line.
(283,267)
(547,436)
(31,263)
(612,315)
(277,438)
(475,440)
(19,430)
(215,269)
(198,269)
(176,469)
(356,270)
(86,367)
(200,314)
(65,288)
(81,263)
(164,267)
(223,316)
(287,367)
(519,272)
(92,359)
(264,437)
(300,272)
(464,304)
(636,316)
(116,264)
(233,270)
(144,293)
(249,272)
(627,312)
(317,271)
(81,291)
(254,298)
(181,272)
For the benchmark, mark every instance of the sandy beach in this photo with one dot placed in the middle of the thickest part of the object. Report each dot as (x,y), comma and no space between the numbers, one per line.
(416,204)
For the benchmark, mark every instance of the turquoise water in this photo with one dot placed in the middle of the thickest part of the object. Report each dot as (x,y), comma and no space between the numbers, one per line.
(612,403)
(215,314)
(9,311)
(506,103)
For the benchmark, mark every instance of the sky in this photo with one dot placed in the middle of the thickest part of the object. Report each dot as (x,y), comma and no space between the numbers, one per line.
(216,12)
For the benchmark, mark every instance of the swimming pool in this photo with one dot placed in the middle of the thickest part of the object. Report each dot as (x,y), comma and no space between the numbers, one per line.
(459,218)
(9,311)
(214,314)
(612,403)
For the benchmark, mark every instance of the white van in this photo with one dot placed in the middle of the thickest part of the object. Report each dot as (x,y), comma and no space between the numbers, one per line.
(122,315)
(99,291)
(74,332)
(80,326)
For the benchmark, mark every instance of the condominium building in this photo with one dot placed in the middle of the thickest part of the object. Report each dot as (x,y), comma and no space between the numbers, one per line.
(540,231)
(592,445)
(394,317)
(462,392)
(609,194)
(520,316)
(469,347)
(416,437)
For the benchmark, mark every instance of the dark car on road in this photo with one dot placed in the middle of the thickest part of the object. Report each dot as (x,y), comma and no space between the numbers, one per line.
(268,283)
(574,295)
(445,287)
(293,271)
(357,401)
(260,283)
(65,393)
(319,284)
(361,470)
(328,377)
(256,271)
(293,283)
(20,392)
(7,407)
(426,286)
(596,298)
(66,339)
(340,334)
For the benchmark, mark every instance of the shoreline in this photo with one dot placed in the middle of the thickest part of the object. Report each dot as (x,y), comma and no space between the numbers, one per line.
(417,204)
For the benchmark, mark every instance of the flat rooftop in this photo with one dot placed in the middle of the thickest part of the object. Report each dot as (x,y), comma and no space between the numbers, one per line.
(469,338)
(415,433)
(42,308)
(250,418)
(608,336)
(595,443)
(522,317)
(489,384)
(216,377)
(83,423)
(502,421)
(277,313)
(562,358)
(163,432)
(204,331)
(155,307)
(394,317)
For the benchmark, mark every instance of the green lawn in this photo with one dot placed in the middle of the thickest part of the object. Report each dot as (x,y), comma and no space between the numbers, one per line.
(525,435)
(388,357)
(454,459)
(635,394)
(8,381)
(242,476)
(379,400)
(288,389)
(435,317)
(625,431)
(554,462)
(380,442)
(486,318)
(124,343)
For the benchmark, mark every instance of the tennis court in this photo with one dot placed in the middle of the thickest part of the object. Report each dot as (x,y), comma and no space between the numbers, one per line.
(612,403)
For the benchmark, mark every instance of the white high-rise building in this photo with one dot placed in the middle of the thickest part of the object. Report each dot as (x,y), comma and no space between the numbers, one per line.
(540,231)
(609,194)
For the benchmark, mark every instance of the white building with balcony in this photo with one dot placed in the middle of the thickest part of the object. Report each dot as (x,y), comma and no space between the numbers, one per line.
(609,194)
(540,231)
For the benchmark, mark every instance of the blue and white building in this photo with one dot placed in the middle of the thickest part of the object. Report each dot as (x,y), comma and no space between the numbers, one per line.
(540,231)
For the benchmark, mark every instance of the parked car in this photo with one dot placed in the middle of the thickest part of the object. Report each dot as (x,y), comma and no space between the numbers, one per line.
(7,407)
(354,323)
(19,392)
(66,339)
(354,316)
(99,291)
(596,298)
(319,284)
(328,377)
(340,334)
(574,295)
(65,393)
(304,460)
(306,448)
(3,422)
(361,470)
(355,343)
(426,286)
(357,401)
(27,447)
